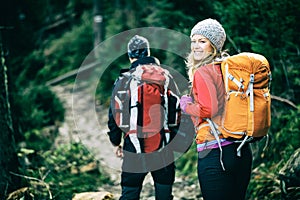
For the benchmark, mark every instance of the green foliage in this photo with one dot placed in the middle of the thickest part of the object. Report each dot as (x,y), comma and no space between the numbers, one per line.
(57,55)
(37,141)
(67,52)
(286,77)
(64,171)
(37,107)
(284,139)
(250,33)
(266,27)
(264,184)
(288,134)
(187,164)
(105,85)
(32,64)
(163,14)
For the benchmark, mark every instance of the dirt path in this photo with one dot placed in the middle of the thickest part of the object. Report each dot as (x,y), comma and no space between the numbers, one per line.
(82,124)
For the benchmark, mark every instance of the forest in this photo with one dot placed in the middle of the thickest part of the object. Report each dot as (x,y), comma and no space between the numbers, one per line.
(50,42)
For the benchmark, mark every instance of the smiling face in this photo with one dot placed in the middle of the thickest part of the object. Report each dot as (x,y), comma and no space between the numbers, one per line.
(200,47)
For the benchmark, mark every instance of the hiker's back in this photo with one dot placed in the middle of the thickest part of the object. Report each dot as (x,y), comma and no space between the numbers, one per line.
(145,107)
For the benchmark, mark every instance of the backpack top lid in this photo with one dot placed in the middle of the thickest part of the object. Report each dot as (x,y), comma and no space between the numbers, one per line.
(147,69)
(240,66)
(243,60)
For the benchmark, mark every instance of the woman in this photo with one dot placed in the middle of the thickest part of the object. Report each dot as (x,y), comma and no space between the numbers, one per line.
(222,174)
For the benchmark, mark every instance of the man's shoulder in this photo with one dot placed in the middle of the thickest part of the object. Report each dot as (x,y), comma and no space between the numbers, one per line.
(122,71)
(147,60)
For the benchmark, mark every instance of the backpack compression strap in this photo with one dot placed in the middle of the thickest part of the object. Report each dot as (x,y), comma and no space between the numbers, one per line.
(133,116)
(166,107)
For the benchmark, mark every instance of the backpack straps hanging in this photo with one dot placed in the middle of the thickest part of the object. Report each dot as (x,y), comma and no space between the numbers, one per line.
(216,133)
(166,107)
(133,116)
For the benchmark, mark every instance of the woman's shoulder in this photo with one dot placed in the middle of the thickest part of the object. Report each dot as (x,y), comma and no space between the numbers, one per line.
(212,70)
(209,67)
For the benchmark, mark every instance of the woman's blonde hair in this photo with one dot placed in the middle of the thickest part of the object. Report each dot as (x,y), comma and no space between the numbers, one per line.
(192,64)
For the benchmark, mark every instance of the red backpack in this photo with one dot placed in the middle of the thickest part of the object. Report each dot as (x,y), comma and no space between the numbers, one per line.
(145,108)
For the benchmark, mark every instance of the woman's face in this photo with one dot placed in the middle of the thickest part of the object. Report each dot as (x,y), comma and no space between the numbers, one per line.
(200,47)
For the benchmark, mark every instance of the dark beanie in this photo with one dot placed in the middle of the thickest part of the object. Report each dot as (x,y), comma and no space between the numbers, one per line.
(138,47)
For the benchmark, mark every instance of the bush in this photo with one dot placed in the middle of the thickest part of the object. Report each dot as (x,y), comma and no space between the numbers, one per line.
(284,140)
(64,171)
(187,164)
(38,107)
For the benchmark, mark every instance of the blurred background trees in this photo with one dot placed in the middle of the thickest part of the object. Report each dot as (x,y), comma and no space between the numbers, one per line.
(49,38)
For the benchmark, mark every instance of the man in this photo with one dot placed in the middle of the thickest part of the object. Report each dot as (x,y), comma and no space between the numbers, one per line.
(143,155)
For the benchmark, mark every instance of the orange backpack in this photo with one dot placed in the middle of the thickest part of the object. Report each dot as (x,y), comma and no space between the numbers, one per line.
(247,112)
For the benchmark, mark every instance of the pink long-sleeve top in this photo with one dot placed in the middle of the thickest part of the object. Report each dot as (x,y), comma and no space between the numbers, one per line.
(209,93)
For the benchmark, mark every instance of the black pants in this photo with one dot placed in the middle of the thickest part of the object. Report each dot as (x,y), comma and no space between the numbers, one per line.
(163,180)
(231,184)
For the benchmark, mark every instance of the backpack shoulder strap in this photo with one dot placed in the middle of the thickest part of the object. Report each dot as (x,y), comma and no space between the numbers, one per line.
(123,71)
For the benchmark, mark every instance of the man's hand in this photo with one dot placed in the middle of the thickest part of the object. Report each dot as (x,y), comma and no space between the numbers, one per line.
(119,151)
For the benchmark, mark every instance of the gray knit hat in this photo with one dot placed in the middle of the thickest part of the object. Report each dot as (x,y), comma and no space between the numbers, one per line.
(212,30)
(138,47)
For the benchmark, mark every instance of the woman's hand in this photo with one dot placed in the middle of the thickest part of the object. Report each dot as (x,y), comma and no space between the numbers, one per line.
(184,101)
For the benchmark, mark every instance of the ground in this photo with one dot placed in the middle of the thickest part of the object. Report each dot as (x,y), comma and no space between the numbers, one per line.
(85,121)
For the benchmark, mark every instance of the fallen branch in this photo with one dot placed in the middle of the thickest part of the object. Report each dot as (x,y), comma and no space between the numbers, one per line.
(290,103)
(72,73)
(42,182)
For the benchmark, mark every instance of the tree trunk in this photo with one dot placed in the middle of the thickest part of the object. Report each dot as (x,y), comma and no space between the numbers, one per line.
(8,156)
(98,22)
